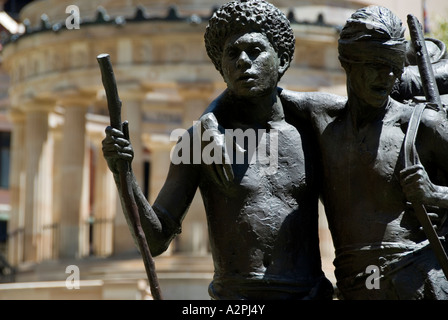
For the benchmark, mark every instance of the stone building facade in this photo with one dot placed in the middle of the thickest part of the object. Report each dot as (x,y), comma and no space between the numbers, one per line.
(64,206)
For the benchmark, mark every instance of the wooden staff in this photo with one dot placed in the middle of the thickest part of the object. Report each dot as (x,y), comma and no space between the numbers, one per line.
(125,174)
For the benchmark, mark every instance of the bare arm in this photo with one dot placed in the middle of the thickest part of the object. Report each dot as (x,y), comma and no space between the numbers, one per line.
(421,184)
(160,222)
(418,187)
(314,106)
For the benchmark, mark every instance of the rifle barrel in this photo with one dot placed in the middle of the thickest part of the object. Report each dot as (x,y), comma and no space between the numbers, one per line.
(423,61)
(433,97)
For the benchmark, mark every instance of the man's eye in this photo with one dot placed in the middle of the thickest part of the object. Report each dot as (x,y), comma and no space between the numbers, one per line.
(232,53)
(255,51)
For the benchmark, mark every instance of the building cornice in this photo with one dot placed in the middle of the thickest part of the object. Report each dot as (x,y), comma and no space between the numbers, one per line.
(102,18)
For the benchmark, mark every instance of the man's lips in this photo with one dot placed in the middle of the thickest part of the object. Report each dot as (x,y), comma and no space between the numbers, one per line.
(246,77)
(383,90)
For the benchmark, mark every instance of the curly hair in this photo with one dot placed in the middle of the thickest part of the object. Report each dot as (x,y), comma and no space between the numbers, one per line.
(248,15)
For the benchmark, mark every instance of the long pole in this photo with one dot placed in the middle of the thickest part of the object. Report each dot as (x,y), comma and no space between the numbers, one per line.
(433,97)
(125,174)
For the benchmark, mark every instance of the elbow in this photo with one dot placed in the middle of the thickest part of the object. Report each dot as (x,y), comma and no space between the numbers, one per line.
(159,246)
(157,250)
(154,242)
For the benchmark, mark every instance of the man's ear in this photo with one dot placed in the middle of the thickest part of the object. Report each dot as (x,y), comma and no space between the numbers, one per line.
(284,62)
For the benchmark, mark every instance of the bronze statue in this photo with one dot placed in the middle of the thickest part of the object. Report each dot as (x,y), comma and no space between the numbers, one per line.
(409,85)
(366,188)
(124,178)
(262,216)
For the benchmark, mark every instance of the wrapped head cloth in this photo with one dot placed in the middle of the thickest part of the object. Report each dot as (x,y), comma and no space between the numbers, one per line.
(373,35)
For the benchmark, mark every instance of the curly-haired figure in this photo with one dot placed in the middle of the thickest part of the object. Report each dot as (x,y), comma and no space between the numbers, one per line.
(239,17)
(262,215)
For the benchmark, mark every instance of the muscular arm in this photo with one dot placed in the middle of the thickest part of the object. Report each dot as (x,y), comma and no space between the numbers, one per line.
(314,106)
(422,182)
(419,188)
(160,222)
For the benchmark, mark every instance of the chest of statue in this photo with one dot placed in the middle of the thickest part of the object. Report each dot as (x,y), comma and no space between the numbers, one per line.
(358,161)
(275,166)
(266,189)
(271,206)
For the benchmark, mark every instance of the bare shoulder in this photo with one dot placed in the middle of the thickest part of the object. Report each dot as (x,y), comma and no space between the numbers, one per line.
(314,102)
(435,120)
(432,122)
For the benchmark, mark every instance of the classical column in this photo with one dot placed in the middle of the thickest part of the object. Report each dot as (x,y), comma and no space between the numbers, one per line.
(46,248)
(194,237)
(132,112)
(73,228)
(16,187)
(160,163)
(105,203)
(122,240)
(38,180)
(196,97)
(56,131)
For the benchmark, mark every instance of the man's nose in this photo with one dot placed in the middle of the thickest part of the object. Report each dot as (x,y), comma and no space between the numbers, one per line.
(243,60)
(386,72)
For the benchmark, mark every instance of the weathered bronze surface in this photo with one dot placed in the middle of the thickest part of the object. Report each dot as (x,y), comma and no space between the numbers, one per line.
(262,215)
(262,219)
(366,188)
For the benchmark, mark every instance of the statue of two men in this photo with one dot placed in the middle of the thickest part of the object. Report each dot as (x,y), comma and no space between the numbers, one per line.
(263,224)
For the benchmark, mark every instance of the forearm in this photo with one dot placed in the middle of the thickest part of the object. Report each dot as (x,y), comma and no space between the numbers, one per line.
(157,236)
(439,197)
(295,104)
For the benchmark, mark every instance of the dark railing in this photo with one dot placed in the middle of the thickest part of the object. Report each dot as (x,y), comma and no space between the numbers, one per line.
(7,272)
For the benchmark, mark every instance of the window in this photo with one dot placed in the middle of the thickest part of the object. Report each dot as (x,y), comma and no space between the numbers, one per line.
(5,141)
(3,232)
(3,236)
(146,177)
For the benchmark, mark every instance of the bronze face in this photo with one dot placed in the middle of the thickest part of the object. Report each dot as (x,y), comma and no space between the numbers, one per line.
(250,65)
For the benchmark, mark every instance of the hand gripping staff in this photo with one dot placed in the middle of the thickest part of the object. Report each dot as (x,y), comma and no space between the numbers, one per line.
(125,174)
(410,153)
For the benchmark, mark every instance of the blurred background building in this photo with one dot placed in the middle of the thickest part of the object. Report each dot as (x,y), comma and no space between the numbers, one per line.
(58,201)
